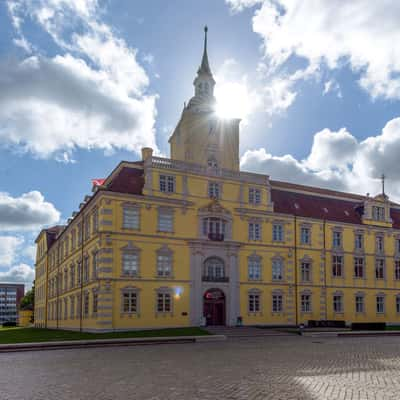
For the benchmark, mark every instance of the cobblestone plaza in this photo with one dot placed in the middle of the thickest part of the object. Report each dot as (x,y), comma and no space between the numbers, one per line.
(282,367)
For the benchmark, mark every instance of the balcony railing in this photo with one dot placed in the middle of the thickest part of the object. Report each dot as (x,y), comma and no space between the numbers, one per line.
(207,278)
(218,237)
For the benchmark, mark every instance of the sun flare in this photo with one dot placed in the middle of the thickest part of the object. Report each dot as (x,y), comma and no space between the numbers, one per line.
(233,100)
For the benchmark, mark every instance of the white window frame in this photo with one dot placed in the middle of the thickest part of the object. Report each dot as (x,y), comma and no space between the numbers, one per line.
(277,232)
(337,303)
(254,196)
(254,268)
(305,235)
(167,183)
(255,231)
(277,302)
(130,263)
(277,262)
(131,217)
(380,304)
(214,190)
(306,302)
(165,220)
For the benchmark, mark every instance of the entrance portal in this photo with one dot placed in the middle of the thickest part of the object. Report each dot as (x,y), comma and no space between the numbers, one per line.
(214,307)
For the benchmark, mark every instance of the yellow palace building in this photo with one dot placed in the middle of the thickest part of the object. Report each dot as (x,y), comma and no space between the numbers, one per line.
(192,240)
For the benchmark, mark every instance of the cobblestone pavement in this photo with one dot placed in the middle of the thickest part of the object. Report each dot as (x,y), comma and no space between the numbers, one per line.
(251,369)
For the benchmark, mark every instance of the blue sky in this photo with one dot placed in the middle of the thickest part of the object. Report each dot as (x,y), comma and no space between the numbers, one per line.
(87,83)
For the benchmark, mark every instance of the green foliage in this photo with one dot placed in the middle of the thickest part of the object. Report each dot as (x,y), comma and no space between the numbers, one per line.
(28,301)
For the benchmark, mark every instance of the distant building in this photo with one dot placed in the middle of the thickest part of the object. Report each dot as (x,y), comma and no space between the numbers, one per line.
(10,297)
(193,239)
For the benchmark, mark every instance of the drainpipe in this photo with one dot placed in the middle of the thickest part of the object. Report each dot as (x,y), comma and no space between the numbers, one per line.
(295,272)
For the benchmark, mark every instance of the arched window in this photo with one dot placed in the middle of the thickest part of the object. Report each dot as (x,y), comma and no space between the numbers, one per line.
(214,269)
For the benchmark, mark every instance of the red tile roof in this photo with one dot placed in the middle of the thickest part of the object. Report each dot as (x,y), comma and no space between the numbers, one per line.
(306,205)
(128,180)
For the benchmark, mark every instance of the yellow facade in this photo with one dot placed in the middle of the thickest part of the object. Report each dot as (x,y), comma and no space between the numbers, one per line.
(193,240)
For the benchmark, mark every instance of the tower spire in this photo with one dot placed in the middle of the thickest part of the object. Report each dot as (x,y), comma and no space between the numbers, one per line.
(383,177)
(205,66)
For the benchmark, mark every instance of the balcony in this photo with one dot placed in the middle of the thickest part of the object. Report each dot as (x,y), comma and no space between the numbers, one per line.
(217,237)
(215,278)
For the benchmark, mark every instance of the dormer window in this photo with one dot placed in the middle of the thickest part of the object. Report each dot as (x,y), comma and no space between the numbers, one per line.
(378,213)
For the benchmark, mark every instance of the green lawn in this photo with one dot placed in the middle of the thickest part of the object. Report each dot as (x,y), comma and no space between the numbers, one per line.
(26,335)
(393,328)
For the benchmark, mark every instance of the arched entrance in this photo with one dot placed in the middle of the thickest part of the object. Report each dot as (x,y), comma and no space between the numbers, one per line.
(214,307)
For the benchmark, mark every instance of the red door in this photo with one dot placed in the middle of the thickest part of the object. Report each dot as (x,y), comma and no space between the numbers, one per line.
(214,307)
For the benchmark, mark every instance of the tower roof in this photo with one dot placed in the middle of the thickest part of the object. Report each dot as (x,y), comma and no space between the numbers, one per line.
(205,66)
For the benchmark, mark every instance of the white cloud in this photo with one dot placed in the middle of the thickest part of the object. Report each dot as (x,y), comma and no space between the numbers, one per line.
(95,92)
(21,273)
(27,212)
(8,249)
(360,33)
(338,161)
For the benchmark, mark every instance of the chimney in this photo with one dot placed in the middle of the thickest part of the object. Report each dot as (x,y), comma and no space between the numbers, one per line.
(147,152)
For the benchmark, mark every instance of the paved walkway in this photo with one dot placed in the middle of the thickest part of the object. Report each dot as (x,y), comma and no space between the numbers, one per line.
(245,331)
(273,368)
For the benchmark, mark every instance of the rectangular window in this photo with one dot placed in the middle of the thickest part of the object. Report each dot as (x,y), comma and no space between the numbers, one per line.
(337,266)
(358,267)
(305,270)
(72,277)
(87,228)
(95,302)
(79,233)
(79,272)
(65,308)
(213,190)
(254,302)
(338,303)
(254,231)
(397,270)
(398,304)
(305,303)
(73,239)
(379,244)
(380,304)
(130,263)
(165,220)
(276,303)
(86,304)
(305,235)
(378,213)
(86,269)
(277,233)
(380,268)
(129,300)
(167,184)
(131,217)
(164,265)
(359,304)
(72,307)
(254,269)
(359,241)
(337,239)
(397,246)
(94,265)
(163,302)
(95,220)
(254,196)
(277,270)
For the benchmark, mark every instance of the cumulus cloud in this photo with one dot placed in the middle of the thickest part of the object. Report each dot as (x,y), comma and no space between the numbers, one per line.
(359,33)
(95,91)
(21,273)
(8,249)
(27,212)
(337,160)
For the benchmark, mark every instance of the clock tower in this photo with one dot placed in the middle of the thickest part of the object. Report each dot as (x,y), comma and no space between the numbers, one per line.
(201,136)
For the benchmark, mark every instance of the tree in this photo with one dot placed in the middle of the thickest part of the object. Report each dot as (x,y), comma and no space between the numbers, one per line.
(28,301)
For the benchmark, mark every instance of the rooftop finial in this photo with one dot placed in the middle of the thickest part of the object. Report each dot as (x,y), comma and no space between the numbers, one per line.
(383,177)
(205,67)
